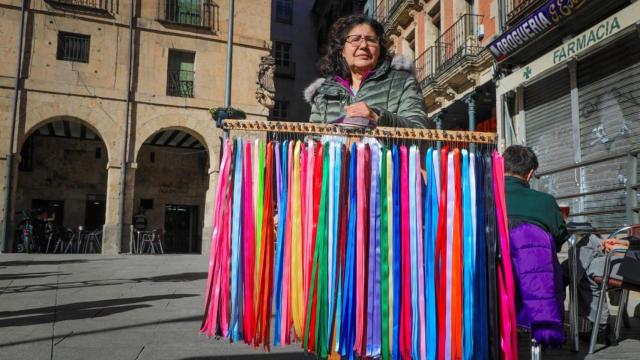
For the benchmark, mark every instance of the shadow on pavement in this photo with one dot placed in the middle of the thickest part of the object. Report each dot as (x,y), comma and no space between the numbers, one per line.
(50,262)
(261,356)
(30,275)
(80,310)
(182,277)
(195,318)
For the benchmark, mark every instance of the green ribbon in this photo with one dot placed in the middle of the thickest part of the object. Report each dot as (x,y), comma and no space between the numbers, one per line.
(320,268)
(384,254)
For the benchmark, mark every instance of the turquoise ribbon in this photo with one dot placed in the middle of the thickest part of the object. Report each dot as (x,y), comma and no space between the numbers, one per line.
(468,256)
(431,204)
(235,326)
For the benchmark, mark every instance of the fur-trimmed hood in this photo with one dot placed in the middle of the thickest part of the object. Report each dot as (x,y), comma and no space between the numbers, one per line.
(398,62)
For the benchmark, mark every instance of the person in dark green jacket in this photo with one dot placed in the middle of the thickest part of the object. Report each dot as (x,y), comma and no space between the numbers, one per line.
(361,79)
(525,204)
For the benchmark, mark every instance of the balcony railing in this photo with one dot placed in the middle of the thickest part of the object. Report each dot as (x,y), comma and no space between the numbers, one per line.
(197,13)
(455,44)
(459,41)
(180,83)
(105,6)
(427,66)
(515,10)
(390,12)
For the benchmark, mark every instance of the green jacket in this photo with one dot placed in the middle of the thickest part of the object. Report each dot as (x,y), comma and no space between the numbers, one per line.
(527,205)
(392,92)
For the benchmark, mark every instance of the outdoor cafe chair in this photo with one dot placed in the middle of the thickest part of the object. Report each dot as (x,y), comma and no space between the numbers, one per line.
(152,241)
(608,283)
(93,240)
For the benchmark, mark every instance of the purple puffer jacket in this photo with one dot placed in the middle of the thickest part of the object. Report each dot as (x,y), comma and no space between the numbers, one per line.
(539,289)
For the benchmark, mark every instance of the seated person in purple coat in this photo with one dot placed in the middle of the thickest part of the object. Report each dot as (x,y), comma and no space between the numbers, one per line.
(537,231)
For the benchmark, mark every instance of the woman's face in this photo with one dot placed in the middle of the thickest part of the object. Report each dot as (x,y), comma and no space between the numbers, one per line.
(361,48)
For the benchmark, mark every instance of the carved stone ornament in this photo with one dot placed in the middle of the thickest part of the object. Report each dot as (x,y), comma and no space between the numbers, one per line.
(266,90)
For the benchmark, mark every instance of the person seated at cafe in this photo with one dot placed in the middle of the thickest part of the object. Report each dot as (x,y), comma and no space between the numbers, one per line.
(592,257)
(362,80)
(140,220)
(525,204)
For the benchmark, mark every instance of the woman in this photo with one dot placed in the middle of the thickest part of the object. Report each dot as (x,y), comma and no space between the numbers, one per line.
(361,79)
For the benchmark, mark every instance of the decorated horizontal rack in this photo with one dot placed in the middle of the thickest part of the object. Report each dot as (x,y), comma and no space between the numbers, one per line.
(379,132)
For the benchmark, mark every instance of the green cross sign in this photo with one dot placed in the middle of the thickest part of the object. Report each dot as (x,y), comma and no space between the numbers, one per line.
(527,73)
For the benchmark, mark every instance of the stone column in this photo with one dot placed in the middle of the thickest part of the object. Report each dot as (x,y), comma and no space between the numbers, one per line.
(208,209)
(129,207)
(438,120)
(110,245)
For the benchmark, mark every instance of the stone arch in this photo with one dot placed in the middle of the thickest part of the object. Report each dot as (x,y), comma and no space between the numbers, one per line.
(198,125)
(195,125)
(110,131)
(54,119)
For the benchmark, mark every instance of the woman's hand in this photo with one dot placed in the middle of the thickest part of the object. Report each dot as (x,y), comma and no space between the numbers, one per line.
(609,245)
(360,109)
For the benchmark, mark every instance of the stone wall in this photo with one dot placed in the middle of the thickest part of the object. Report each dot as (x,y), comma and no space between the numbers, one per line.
(95,93)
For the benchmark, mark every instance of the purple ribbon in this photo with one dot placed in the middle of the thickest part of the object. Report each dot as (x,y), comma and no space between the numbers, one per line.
(278,172)
(373,305)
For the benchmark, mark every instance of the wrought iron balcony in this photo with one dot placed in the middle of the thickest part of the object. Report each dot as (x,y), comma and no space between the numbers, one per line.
(391,13)
(426,66)
(453,62)
(102,6)
(180,83)
(459,41)
(195,13)
(516,10)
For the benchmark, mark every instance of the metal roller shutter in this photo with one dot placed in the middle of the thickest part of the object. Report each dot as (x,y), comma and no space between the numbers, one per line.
(547,104)
(609,104)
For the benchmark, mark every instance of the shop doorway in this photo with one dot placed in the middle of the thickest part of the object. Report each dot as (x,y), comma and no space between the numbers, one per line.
(181,228)
(95,207)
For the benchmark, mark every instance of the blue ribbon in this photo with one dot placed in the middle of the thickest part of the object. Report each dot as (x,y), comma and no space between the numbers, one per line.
(348,307)
(235,326)
(481,345)
(282,219)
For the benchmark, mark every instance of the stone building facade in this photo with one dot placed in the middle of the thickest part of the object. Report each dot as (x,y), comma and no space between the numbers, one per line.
(446,39)
(69,138)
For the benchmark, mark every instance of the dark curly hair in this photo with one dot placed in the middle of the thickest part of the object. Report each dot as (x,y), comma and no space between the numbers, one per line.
(333,62)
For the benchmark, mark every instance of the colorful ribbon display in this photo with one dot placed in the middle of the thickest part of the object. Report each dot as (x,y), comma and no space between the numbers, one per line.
(361,251)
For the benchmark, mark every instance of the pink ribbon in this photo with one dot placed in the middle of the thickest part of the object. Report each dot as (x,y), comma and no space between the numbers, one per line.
(506,287)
